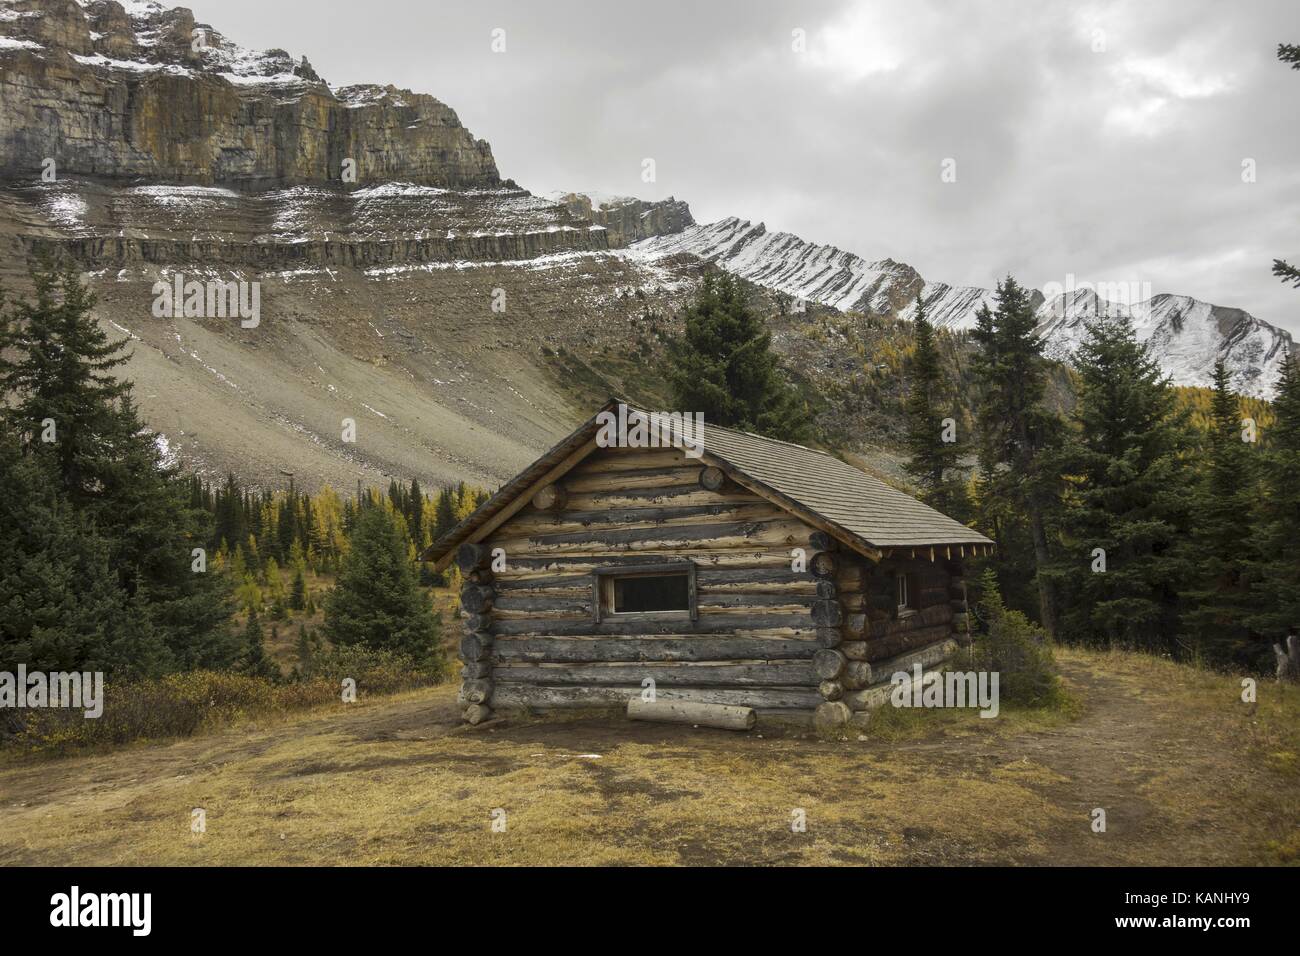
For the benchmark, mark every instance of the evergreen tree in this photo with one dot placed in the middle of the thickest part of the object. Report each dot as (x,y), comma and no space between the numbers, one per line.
(80,423)
(1219,599)
(1017,436)
(1127,495)
(298,590)
(255,662)
(934,462)
(1277,584)
(376,602)
(724,366)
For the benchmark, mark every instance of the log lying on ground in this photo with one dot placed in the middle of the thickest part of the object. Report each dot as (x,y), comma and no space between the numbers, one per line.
(507,696)
(721,716)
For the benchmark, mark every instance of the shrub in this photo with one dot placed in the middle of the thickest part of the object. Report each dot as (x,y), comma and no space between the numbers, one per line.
(1017,649)
(182,705)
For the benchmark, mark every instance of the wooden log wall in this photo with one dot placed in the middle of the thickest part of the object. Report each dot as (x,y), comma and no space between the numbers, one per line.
(821,641)
(879,641)
(531,640)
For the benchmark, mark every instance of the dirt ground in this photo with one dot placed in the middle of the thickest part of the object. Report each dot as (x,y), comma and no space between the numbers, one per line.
(1186,772)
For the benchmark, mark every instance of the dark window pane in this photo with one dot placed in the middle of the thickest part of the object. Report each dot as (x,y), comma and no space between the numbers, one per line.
(660,592)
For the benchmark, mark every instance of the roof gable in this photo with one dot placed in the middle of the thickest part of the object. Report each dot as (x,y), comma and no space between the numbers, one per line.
(856,508)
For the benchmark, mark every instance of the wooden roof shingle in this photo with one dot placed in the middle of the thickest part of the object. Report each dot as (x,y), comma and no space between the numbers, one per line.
(864,511)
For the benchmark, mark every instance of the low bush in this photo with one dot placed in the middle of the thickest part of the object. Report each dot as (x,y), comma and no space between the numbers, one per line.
(185,704)
(1017,649)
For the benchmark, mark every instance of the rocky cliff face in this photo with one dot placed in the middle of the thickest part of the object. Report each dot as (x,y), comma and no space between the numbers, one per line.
(628,219)
(145,91)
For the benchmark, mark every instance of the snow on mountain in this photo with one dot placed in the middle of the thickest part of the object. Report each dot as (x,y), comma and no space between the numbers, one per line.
(804,270)
(1186,335)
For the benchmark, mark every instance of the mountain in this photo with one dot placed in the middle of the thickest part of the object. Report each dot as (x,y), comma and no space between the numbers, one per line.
(458,321)
(1186,335)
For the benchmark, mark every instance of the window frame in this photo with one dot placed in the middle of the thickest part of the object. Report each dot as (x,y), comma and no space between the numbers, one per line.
(904,582)
(602,584)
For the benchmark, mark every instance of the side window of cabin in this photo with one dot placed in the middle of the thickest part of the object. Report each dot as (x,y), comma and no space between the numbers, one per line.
(905,585)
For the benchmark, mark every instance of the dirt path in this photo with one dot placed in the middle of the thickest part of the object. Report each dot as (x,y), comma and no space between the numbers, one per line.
(401,781)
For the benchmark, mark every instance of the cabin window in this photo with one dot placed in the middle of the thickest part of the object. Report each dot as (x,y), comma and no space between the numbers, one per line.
(906,593)
(666,590)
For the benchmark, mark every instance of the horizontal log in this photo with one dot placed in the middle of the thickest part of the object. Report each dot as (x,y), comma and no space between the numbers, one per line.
(652,497)
(563,697)
(675,673)
(752,625)
(695,713)
(856,650)
(851,576)
(476,598)
(475,714)
(853,603)
(633,459)
(475,646)
(883,648)
(878,692)
(822,541)
(712,478)
(476,670)
(523,567)
(823,564)
(831,689)
(857,674)
(625,481)
(471,555)
(736,534)
(828,663)
(829,636)
(827,613)
(477,691)
(578,649)
(550,498)
(476,622)
(572,522)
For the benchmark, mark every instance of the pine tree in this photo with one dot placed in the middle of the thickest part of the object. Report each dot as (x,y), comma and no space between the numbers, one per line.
(1277,585)
(1017,436)
(376,602)
(723,366)
(1127,496)
(298,590)
(59,384)
(934,461)
(1219,599)
(255,662)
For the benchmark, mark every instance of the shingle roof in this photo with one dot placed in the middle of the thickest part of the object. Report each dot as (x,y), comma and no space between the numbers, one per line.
(874,513)
(881,515)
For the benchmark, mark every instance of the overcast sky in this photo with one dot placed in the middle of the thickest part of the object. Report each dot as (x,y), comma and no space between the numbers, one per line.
(1103,140)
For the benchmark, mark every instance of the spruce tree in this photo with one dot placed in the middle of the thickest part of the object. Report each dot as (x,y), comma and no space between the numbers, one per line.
(255,662)
(1219,599)
(1127,495)
(1277,584)
(934,462)
(376,601)
(1017,437)
(79,421)
(724,367)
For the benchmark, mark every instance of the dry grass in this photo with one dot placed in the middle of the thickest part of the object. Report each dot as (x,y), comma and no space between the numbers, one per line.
(1188,775)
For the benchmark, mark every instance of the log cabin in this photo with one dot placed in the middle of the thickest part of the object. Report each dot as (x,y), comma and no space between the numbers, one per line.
(724,567)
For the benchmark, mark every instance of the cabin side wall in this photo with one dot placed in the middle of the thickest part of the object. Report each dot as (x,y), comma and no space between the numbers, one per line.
(531,639)
(879,639)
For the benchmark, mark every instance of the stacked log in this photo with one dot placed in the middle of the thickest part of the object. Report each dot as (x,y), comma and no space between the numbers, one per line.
(477,597)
